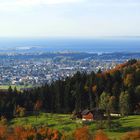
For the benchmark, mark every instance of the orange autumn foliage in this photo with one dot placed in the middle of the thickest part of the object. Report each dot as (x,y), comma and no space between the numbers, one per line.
(21,133)
(100,135)
(82,134)
(3,131)
(94,88)
(38,105)
(134,135)
(129,80)
(45,133)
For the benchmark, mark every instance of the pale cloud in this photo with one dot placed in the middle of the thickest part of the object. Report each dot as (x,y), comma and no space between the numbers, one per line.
(12,5)
(47,2)
(114,3)
(8,5)
(69,17)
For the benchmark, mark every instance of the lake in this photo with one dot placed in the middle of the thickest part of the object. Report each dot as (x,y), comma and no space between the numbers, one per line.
(107,45)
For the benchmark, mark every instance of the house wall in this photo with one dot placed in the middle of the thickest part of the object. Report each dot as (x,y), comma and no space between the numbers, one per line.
(88,117)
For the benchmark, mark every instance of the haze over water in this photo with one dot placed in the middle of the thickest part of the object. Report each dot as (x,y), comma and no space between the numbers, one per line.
(107,45)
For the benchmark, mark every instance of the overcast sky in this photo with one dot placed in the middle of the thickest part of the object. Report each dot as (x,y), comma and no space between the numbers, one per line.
(69,18)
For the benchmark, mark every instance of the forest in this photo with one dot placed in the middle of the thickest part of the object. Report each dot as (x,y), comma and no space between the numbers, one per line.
(116,90)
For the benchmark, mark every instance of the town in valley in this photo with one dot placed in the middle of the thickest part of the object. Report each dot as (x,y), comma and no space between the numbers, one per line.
(39,68)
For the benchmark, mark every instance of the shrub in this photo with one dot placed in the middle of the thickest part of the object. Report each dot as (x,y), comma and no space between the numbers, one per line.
(101,124)
(100,135)
(67,136)
(21,133)
(134,135)
(3,120)
(82,134)
(3,132)
(20,111)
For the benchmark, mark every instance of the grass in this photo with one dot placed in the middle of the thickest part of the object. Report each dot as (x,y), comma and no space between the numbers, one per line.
(58,121)
(13,86)
(62,122)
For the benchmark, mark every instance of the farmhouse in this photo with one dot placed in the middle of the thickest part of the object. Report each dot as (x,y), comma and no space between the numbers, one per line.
(87,115)
(94,114)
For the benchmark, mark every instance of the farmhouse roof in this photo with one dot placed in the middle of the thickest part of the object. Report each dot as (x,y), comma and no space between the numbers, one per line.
(85,112)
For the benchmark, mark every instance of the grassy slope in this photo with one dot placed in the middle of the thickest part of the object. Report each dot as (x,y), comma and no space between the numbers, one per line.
(129,123)
(57,121)
(13,86)
(64,123)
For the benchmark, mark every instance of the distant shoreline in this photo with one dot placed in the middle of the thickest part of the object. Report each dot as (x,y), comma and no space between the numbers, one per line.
(104,45)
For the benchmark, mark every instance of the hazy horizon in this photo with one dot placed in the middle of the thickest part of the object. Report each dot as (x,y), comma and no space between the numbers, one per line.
(97,45)
(69,18)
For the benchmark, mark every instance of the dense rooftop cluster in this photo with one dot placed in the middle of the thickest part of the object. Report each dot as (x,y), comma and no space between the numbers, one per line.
(37,69)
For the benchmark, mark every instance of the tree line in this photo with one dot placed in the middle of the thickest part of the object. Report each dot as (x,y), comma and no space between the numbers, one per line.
(116,90)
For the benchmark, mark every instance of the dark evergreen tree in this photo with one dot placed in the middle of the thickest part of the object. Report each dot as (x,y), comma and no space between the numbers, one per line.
(10,90)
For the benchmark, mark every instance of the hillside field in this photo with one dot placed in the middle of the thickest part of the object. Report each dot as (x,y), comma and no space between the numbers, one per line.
(62,122)
(13,86)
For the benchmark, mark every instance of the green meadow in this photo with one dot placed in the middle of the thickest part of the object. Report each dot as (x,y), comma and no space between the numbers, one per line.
(13,86)
(63,122)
